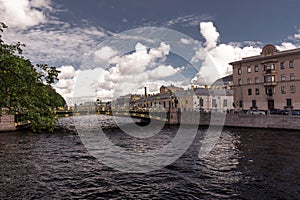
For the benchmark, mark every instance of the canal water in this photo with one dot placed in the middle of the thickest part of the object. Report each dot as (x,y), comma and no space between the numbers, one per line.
(244,164)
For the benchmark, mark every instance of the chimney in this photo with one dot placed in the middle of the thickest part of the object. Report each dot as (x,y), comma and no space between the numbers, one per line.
(145,91)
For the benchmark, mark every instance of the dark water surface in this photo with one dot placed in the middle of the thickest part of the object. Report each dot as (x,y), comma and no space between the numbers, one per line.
(245,164)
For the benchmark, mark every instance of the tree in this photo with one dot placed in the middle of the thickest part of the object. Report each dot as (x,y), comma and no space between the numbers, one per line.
(25,88)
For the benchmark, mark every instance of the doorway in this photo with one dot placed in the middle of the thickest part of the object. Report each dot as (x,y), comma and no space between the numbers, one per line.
(271,104)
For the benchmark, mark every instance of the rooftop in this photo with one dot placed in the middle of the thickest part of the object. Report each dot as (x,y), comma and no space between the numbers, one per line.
(269,51)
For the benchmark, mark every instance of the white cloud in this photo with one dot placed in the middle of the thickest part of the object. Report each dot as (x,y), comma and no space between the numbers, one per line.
(209,32)
(297,36)
(286,46)
(57,42)
(133,71)
(185,41)
(104,54)
(162,71)
(66,72)
(65,85)
(214,58)
(22,14)
(47,39)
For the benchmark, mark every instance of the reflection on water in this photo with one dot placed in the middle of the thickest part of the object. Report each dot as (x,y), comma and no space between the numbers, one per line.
(245,164)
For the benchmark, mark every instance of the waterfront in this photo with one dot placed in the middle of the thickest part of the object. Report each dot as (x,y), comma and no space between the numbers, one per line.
(245,164)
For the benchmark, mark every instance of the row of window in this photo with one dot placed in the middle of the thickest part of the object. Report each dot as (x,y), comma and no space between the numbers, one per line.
(283,90)
(215,105)
(289,103)
(267,67)
(268,79)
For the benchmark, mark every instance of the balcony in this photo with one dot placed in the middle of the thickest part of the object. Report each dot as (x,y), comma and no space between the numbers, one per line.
(270,72)
(270,84)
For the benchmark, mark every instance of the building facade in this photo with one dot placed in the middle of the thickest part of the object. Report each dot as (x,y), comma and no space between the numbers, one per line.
(268,81)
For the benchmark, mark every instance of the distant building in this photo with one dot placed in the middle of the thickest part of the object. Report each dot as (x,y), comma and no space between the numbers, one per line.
(217,99)
(222,94)
(223,83)
(172,97)
(268,81)
(169,89)
(194,99)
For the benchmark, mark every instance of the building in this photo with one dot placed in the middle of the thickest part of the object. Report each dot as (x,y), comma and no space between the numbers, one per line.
(7,121)
(169,89)
(222,94)
(220,99)
(223,83)
(267,81)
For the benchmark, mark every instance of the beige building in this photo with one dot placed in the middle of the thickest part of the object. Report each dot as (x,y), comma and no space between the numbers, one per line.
(268,81)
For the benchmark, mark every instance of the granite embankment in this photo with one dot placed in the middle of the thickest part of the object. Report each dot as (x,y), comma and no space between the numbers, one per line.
(246,120)
(7,122)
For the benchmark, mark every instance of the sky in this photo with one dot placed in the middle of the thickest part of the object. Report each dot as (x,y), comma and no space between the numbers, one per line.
(109,48)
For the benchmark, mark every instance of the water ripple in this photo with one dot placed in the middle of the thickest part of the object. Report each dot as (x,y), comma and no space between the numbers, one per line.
(245,164)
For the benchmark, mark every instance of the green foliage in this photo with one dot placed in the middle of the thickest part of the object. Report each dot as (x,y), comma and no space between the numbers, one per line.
(22,87)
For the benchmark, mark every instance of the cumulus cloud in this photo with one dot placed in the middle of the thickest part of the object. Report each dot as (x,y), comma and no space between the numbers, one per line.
(162,71)
(22,14)
(286,46)
(131,72)
(104,54)
(65,85)
(66,72)
(209,32)
(214,58)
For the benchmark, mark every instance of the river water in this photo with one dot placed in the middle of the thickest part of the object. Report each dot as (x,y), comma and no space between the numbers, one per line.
(244,164)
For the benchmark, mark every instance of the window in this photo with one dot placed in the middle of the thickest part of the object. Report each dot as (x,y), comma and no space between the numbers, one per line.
(249,81)
(292,89)
(283,77)
(240,103)
(249,91)
(253,103)
(239,71)
(249,69)
(201,101)
(292,76)
(282,65)
(268,68)
(270,91)
(289,102)
(240,81)
(214,103)
(256,68)
(269,78)
(283,89)
(256,80)
(257,91)
(224,102)
(291,64)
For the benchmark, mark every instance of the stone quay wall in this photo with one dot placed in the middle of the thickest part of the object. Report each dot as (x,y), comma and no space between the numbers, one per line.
(242,120)
(7,122)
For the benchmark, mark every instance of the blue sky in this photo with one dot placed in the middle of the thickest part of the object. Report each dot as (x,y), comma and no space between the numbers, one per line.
(210,34)
(265,21)
(244,22)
